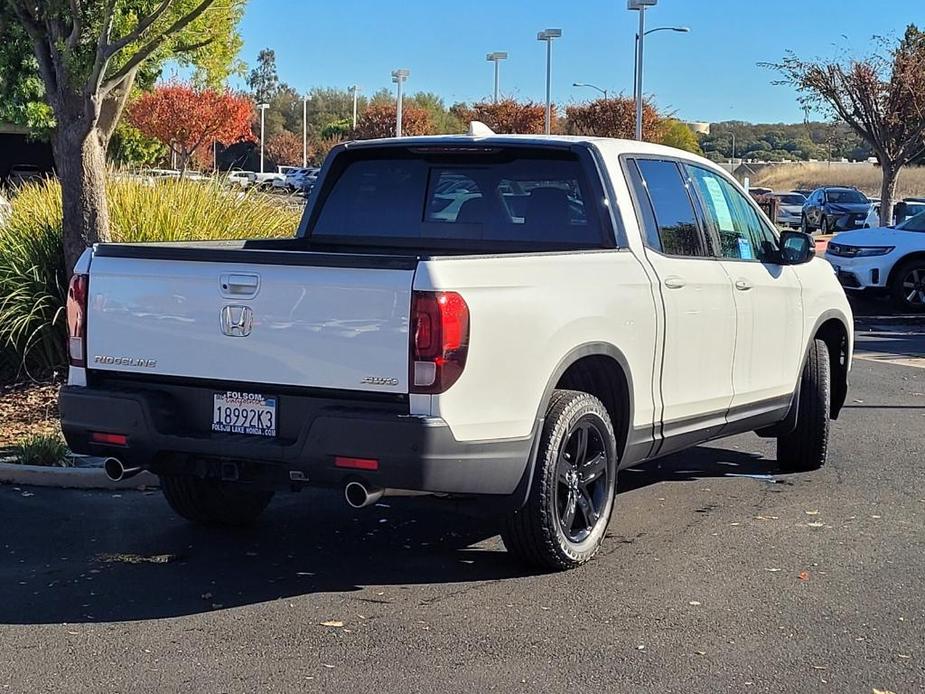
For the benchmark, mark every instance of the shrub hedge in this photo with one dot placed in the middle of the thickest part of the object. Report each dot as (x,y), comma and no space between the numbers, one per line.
(33,278)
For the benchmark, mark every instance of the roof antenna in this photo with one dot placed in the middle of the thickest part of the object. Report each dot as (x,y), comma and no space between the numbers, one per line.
(479,129)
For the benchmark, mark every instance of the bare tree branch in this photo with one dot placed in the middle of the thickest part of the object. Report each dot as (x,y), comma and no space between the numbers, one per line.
(76,25)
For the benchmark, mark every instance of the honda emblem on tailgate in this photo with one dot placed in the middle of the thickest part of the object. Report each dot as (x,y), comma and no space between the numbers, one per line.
(237,321)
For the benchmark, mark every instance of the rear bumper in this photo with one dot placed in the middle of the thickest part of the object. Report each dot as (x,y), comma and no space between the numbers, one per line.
(166,433)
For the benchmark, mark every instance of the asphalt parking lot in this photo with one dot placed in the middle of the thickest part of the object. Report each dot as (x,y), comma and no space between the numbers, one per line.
(719,574)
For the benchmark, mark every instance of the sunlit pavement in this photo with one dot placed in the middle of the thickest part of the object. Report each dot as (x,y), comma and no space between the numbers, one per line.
(719,574)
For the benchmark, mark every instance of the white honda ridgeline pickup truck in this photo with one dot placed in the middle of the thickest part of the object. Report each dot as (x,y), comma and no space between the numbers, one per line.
(506,321)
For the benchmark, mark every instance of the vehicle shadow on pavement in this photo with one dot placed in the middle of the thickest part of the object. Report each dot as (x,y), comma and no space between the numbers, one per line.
(699,463)
(89,557)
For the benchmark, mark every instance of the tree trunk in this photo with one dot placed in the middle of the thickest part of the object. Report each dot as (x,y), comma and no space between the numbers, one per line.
(112,107)
(887,192)
(81,164)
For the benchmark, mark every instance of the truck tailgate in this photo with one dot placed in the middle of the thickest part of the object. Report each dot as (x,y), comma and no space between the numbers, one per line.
(293,318)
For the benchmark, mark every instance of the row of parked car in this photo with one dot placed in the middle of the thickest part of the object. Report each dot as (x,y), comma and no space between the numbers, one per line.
(867,257)
(832,209)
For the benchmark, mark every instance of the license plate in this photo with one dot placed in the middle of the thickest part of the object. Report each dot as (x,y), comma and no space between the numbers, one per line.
(244,413)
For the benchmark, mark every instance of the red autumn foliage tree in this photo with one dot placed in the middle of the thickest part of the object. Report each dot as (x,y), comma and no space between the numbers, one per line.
(378,120)
(508,116)
(614,117)
(186,119)
(284,149)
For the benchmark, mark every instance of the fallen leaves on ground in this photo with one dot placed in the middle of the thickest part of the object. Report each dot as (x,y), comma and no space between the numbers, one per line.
(26,410)
(804,575)
(128,558)
(333,623)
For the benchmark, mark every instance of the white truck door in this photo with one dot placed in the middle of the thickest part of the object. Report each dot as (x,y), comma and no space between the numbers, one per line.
(768,296)
(700,314)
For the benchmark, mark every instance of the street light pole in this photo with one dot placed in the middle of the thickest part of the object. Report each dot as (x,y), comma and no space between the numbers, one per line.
(682,30)
(263,110)
(592,86)
(640,43)
(496,58)
(548,35)
(399,76)
(354,89)
(304,131)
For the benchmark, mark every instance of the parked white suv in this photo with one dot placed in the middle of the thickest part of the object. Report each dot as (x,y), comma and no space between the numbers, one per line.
(590,305)
(885,259)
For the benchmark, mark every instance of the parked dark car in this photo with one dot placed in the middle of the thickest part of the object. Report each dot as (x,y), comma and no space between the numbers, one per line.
(834,209)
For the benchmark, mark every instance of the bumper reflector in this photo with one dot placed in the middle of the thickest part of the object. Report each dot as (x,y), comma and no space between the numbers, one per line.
(111,439)
(356,463)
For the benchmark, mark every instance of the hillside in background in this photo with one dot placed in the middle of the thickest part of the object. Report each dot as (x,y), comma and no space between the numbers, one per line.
(782,141)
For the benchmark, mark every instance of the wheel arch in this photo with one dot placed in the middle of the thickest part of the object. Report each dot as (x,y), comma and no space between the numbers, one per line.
(914,255)
(832,328)
(601,369)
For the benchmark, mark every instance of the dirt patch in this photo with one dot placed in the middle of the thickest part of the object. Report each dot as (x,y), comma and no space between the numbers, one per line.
(26,410)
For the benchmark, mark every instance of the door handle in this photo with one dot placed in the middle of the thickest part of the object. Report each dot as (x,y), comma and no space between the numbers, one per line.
(239,285)
(674,282)
(743,285)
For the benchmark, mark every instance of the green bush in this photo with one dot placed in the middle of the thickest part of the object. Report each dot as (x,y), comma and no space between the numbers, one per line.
(33,285)
(47,450)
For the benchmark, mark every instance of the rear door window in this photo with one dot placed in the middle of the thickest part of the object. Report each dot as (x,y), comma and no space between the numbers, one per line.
(530,200)
(672,209)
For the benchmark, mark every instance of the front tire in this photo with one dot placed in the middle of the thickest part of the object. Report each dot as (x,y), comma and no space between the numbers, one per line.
(806,447)
(823,225)
(213,502)
(804,224)
(908,286)
(573,487)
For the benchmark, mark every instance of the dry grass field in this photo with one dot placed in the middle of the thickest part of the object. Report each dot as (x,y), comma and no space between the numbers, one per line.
(865,177)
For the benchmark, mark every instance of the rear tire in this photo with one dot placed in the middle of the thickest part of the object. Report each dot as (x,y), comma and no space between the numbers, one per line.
(823,225)
(573,488)
(804,224)
(213,502)
(806,447)
(909,280)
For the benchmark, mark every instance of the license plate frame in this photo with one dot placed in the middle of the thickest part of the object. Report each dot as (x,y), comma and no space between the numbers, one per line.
(248,414)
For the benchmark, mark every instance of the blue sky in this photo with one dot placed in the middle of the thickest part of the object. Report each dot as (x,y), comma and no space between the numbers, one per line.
(709,74)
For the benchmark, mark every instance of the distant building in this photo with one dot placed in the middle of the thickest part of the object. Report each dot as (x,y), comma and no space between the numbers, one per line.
(18,146)
(699,127)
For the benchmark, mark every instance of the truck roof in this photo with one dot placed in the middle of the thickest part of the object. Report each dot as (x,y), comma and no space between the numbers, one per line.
(613,146)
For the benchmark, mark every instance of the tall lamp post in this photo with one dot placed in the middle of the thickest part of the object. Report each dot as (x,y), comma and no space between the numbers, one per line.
(354,88)
(548,35)
(682,30)
(592,86)
(640,6)
(263,110)
(496,58)
(398,77)
(304,131)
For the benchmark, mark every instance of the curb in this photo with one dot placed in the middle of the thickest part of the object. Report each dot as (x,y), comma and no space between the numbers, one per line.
(70,477)
(902,319)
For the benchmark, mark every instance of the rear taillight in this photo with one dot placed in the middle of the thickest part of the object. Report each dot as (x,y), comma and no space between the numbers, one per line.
(77,320)
(439,340)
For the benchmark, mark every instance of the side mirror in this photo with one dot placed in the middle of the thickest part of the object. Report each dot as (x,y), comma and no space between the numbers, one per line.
(797,248)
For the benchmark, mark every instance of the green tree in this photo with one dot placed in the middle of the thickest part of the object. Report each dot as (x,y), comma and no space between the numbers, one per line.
(129,147)
(263,80)
(680,136)
(88,55)
(444,121)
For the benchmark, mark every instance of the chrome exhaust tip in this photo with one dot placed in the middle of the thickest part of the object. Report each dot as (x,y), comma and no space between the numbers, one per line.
(359,496)
(117,472)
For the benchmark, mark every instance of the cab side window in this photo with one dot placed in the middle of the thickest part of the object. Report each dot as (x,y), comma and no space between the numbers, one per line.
(671,223)
(736,225)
